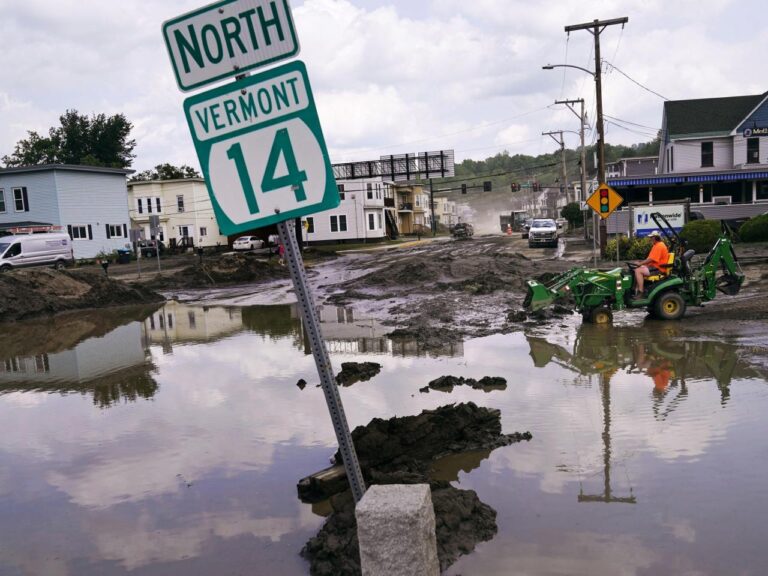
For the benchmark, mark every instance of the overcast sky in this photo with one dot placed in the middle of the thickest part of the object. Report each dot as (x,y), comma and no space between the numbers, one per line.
(393,76)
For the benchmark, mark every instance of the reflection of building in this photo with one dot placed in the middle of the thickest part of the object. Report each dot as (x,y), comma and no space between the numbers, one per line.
(347,331)
(176,322)
(113,367)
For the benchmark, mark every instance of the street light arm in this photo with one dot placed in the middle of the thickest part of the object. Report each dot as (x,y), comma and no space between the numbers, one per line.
(553,66)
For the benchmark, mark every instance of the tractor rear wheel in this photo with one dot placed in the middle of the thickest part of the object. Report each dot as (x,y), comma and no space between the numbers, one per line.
(669,306)
(599,315)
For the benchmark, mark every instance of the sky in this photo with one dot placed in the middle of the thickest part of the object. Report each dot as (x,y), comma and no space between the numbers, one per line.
(394,76)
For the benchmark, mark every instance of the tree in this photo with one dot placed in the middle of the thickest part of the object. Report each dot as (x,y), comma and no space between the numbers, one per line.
(96,141)
(166,172)
(572,213)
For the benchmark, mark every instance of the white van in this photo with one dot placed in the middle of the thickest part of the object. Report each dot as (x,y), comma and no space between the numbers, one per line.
(50,249)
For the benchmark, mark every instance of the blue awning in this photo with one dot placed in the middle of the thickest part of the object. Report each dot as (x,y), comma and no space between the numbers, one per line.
(689,179)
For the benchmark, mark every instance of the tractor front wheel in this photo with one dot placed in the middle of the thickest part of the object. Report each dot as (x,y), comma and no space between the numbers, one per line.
(669,306)
(599,315)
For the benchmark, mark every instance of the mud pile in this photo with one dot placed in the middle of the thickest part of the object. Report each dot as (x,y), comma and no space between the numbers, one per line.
(221,270)
(461,522)
(401,451)
(447,383)
(37,291)
(352,372)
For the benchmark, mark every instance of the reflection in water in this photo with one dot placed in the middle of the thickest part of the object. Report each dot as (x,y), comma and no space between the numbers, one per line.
(346,331)
(447,468)
(97,353)
(661,352)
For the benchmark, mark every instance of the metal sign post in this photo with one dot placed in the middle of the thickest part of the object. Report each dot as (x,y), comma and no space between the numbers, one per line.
(322,360)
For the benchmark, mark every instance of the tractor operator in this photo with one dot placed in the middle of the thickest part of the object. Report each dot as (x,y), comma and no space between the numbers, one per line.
(655,263)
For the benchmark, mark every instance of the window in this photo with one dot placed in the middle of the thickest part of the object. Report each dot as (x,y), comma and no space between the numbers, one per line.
(20,199)
(371,221)
(339,223)
(310,225)
(192,320)
(13,251)
(180,202)
(78,232)
(157,205)
(341,191)
(203,231)
(369,191)
(378,217)
(140,205)
(184,231)
(707,155)
(116,230)
(2,201)
(753,150)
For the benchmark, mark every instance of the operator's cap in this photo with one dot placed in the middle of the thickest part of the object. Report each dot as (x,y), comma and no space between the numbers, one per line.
(655,233)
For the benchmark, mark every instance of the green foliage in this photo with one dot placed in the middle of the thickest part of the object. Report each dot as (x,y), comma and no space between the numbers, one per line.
(166,172)
(755,229)
(630,248)
(701,235)
(572,213)
(96,141)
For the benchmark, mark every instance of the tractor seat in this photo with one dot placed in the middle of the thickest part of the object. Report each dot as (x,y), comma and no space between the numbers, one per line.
(664,272)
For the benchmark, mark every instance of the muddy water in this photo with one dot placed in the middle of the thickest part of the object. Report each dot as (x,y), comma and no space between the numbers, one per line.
(169,442)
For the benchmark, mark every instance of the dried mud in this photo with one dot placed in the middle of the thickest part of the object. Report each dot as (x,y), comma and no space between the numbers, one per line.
(44,291)
(401,451)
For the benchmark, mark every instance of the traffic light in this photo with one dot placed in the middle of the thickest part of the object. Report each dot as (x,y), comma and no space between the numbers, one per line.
(463,188)
(487,186)
(604,201)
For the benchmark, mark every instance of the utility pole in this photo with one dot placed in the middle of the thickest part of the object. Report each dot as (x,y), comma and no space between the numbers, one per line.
(432,222)
(582,124)
(595,28)
(563,173)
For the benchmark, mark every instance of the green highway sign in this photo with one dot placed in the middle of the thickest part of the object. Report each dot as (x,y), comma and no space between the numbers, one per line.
(229,38)
(261,149)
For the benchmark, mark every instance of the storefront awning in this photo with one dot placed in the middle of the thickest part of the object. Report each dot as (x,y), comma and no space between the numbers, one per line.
(689,178)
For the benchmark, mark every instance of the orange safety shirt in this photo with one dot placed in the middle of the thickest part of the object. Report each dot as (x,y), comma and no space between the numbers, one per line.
(659,255)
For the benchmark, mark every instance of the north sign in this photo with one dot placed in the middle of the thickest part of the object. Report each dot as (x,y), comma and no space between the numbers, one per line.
(229,38)
(604,201)
(261,149)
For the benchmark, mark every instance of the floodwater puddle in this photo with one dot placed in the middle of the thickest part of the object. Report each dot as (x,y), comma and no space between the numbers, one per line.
(170,440)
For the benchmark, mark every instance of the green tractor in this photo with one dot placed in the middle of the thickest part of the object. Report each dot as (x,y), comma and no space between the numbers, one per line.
(597,293)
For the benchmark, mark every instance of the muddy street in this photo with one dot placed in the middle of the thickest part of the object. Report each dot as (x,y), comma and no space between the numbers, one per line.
(186,427)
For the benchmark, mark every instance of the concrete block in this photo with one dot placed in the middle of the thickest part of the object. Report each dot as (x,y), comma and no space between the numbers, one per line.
(396,531)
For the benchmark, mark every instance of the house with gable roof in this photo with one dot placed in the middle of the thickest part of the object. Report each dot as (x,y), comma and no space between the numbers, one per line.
(713,151)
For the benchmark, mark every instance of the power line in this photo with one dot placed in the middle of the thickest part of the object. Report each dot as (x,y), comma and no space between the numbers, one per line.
(635,81)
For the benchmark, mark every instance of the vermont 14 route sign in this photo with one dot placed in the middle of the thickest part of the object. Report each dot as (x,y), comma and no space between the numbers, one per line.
(228,38)
(261,149)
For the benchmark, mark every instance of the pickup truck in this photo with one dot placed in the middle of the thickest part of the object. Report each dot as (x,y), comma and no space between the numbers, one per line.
(543,232)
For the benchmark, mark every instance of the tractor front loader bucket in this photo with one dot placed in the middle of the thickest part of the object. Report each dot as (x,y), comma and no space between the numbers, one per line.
(538,296)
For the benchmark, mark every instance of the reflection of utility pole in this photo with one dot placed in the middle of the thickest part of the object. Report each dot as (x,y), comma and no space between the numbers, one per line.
(607,495)
(595,28)
(563,176)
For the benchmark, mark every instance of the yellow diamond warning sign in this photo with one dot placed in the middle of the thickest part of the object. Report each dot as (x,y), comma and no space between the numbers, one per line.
(604,201)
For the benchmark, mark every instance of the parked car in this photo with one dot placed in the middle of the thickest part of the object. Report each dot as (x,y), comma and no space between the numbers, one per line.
(463,230)
(527,227)
(151,248)
(49,249)
(543,232)
(247,243)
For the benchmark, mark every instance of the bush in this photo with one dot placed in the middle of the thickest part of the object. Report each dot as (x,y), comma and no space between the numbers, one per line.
(755,229)
(572,213)
(701,235)
(630,248)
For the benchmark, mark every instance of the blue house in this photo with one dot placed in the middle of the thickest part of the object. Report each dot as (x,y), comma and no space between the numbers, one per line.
(89,202)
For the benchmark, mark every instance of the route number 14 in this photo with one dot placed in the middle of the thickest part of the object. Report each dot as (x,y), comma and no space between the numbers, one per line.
(295,178)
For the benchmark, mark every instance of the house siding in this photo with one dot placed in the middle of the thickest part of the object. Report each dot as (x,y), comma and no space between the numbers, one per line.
(688,155)
(356,206)
(41,194)
(97,200)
